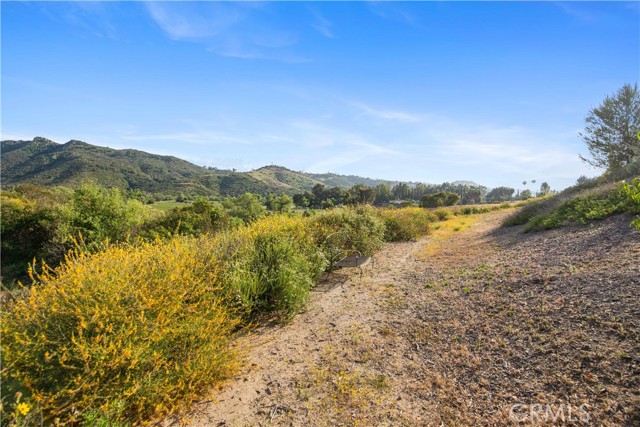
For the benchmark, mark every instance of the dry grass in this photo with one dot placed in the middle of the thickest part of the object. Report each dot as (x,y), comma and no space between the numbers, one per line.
(444,230)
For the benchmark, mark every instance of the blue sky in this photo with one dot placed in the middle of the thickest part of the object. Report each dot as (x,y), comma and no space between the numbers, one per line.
(422,91)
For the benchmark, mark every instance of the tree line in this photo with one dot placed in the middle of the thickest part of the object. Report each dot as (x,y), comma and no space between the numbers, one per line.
(425,195)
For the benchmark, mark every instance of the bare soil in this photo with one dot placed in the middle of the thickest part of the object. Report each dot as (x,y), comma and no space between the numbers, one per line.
(493,327)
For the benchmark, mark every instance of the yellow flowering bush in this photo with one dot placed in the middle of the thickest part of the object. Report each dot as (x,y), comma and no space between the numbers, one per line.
(130,332)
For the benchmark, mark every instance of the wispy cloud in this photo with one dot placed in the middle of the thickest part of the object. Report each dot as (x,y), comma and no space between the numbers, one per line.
(194,21)
(579,11)
(332,148)
(392,11)
(201,138)
(398,116)
(95,19)
(323,25)
(238,30)
(503,150)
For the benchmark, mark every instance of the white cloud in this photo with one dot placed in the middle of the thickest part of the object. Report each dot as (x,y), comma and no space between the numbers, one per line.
(398,116)
(203,138)
(237,30)
(392,11)
(194,21)
(322,25)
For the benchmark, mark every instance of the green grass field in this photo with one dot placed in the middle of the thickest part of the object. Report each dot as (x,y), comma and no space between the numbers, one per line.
(167,205)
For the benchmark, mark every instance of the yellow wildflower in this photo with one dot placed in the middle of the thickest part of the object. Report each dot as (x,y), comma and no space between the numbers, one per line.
(23,408)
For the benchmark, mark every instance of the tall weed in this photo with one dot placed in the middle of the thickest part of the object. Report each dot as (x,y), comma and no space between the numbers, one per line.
(407,224)
(271,265)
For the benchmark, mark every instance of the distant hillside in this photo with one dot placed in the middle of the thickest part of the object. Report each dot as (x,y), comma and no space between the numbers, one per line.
(44,162)
(287,181)
(347,181)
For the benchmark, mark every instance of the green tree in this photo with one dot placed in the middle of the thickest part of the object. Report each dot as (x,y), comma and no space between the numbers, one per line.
(99,213)
(318,191)
(544,189)
(472,196)
(439,199)
(383,193)
(280,203)
(200,217)
(526,194)
(401,191)
(248,207)
(500,194)
(301,200)
(612,130)
(361,194)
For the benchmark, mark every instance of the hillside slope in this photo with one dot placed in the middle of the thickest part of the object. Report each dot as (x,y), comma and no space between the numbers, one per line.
(45,162)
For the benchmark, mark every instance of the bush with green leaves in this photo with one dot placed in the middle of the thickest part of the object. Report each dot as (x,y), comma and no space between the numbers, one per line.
(631,199)
(200,217)
(248,207)
(99,214)
(35,224)
(362,225)
(407,224)
(440,199)
(270,266)
(579,210)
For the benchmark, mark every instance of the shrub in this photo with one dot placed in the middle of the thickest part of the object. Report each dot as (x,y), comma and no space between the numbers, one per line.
(630,193)
(526,213)
(406,224)
(439,199)
(442,214)
(362,224)
(99,213)
(128,333)
(247,207)
(471,210)
(29,230)
(579,209)
(270,266)
(201,217)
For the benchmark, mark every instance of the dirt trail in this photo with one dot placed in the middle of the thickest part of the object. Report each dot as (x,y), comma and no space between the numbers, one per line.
(454,336)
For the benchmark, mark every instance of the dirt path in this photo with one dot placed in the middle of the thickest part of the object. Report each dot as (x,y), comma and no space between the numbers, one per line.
(457,334)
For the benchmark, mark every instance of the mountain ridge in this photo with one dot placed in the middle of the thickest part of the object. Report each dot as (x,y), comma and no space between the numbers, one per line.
(45,162)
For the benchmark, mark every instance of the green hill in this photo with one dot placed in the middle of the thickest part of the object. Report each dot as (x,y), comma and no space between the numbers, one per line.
(45,162)
(286,180)
(348,181)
